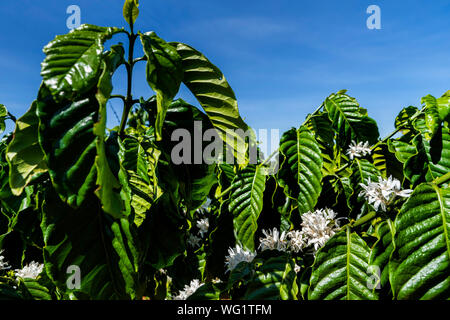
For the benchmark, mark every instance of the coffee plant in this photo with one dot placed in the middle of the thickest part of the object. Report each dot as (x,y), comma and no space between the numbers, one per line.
(89,212)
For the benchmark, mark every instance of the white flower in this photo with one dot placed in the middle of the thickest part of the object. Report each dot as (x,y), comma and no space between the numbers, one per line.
(193,241)
(358,150)
(318,227)
(383,192)
(273,240)
(203,226)
(30,271)
(297,268)
(3,263)
(297,240)
(238,255)
(188,290)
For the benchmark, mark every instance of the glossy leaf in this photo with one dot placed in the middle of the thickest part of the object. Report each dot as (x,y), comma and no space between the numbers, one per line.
(349,120)
(340,270)
(246,201)
(109,188)
(103,248)
(164,74)
(73,61)
(301,169)
(420,264)
(24,154)
(381,252)
(275,279)
(131,11)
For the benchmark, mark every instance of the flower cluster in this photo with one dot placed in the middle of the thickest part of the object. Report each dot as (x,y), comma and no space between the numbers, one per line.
(203,226)
(273,240)
(193,240)
(188,290)
(3,263)
(383,192)
(358,150)
(318,227)
(30,271)
(238,255)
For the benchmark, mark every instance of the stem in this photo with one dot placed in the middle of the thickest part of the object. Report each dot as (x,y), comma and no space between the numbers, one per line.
(442,179)
(128,101)
(224,193)
(361,220)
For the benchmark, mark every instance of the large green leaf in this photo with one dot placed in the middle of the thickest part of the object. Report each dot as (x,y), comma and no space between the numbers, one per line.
(68,141)
(131,11)
(349,120)
(340,270)
(24,154)
(381,251)
(246,201)
(215,95)
(433,157)
(301,170)
(73,61)
(71,144)
(275,279)
(432,119)
(164,74)
(139,160)
(109,188)
(102,247)
(420,264)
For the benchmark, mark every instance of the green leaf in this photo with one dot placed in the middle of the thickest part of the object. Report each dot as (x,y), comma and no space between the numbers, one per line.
(209,86)
(275,279)
(3,115)
(340,270)
(432,159)
(386,162)
(432,119)
(73,61)
(164,74)
(102,247)
(131,11)
(382,250)
(71,134)
(109,187)
(349,120)
(403,150)
(420,264)
(68,142)
(403,119)
(24,154)
(301,170)
(246,201)
(140,162)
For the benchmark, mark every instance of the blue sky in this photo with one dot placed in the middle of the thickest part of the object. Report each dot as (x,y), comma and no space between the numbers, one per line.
(282,58)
